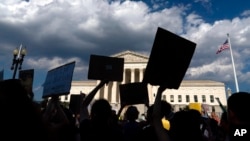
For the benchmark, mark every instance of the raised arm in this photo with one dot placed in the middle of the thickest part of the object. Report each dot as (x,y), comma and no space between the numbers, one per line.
(120,110)
(157,121)
(55,111)
(84,107)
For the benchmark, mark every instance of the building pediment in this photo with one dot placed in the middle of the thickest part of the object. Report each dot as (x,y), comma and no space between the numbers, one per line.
(130,56)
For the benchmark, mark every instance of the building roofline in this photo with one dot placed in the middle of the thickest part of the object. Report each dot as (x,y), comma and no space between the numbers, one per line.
(130,52)
(184,83)
(84,83)
(201,83)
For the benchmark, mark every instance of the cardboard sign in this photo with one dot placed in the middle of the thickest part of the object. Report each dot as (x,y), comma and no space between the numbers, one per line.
(169,59)
(26,77)
(195,106)
(133,93)
(58,80)
(106,68)
(75,102)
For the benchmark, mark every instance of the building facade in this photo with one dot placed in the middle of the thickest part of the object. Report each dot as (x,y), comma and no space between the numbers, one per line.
(190,91)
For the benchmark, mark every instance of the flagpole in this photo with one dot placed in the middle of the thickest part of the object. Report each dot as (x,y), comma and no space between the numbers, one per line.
(235,77)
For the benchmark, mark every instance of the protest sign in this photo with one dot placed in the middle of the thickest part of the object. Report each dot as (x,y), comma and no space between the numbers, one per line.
(106,68)
(58,80)
(133,93)
(26,77)
(195,106)
(75,102)
(169,59)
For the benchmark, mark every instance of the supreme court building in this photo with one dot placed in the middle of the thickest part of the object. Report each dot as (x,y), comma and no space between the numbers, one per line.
(190,91)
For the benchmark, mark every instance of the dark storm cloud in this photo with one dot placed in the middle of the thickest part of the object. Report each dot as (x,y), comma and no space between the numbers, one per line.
(56,32)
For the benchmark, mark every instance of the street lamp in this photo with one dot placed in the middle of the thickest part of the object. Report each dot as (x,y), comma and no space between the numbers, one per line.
(18,55)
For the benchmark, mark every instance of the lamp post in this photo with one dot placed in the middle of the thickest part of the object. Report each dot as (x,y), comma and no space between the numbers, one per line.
(18,55)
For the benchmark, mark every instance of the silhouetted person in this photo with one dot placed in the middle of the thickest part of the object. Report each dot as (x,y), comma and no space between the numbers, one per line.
(99,123)
(238,116)
(58,120)
(160,131)
(223,132)
(186,125)
(20,119)
(148,130)
(131,128)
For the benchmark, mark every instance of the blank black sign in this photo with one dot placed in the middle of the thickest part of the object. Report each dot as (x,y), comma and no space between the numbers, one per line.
(169,59)
(106,68)
(75,102)
(133,93)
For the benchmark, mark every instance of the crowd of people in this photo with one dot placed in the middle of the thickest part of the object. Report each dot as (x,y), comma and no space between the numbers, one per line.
(23,119)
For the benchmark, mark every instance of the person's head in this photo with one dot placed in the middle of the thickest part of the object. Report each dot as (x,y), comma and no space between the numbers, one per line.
(13,96)
(186,124)
(101,110)
(238,108)
(19,113)
(166,111)
(132,113)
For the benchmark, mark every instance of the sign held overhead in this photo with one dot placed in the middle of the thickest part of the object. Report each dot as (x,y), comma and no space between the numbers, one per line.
(134,93)
(105,68)
(58,80)
(169,59)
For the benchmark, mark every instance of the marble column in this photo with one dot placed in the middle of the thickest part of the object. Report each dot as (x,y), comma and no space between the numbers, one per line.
(132,75)
(124,77)
(114,92)
(106,91)
(117,93)
(99,93)
(140,74)
(151,94)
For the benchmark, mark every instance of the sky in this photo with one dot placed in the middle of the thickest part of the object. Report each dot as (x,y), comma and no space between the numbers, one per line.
(56,32)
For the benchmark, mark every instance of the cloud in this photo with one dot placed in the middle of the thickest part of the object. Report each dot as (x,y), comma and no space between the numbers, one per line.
(205,63)
(49,63)
(246,13)
(158,4)
(59,31)
(205,3)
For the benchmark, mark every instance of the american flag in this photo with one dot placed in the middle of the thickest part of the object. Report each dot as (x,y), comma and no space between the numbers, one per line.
(223,47)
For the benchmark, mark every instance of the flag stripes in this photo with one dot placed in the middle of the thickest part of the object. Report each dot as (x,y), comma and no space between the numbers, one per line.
(223,47)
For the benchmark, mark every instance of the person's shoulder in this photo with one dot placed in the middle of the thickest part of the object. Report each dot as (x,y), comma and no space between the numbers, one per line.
(85,123)
(132,124)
